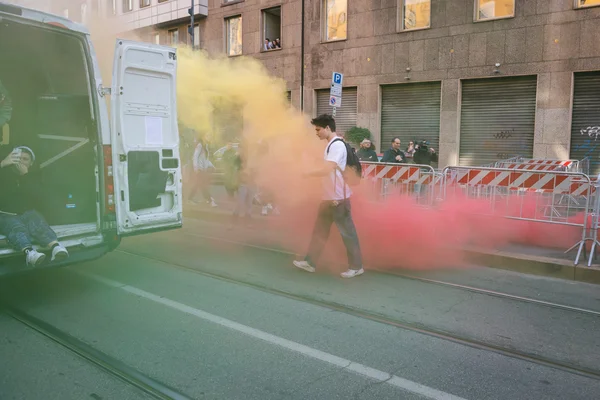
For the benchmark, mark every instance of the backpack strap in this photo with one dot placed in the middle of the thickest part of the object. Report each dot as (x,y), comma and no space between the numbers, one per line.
(332,142)
(338,168)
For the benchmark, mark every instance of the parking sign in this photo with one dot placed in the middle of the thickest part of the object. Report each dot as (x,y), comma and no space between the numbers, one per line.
(337,78)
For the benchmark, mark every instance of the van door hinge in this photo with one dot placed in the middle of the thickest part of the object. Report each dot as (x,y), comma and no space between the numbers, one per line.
(104,91)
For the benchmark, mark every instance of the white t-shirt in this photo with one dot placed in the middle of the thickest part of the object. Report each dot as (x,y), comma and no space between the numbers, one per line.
(333,183)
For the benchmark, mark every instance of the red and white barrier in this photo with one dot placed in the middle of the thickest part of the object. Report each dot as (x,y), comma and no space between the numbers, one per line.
(402,179)
(537,181)
(556,195)
(533,166)
(406,173)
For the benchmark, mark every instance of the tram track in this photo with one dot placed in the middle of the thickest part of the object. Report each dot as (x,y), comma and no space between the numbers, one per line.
(468,288)
(410,326)
(112,366)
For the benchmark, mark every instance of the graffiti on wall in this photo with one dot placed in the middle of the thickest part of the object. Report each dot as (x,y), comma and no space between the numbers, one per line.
(507,134)
(591,131)
(590,144)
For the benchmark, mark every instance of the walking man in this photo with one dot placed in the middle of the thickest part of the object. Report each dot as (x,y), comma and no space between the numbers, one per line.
(335,204)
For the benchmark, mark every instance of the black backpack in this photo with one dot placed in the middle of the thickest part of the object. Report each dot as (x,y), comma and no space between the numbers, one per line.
(353,172)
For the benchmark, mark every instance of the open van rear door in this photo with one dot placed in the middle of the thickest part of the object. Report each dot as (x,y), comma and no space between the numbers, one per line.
(145,138)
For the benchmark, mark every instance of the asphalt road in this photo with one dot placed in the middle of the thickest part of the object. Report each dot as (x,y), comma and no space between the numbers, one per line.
(215,338)
(34,367)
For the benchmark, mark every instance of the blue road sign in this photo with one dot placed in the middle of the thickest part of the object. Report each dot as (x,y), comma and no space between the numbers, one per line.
(337,78)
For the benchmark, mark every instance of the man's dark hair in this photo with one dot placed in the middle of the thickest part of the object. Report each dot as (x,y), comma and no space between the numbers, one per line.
(324,121)
(396,138)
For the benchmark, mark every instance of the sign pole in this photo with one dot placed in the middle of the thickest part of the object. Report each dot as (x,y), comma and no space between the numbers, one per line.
(335,94)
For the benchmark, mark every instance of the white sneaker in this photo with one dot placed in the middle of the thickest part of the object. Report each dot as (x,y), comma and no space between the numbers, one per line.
(304,265)
(265,210)
(35,258)
(212,203)
(351,273)
(59,253)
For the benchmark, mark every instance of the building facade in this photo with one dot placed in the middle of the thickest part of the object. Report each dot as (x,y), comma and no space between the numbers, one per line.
(481,80)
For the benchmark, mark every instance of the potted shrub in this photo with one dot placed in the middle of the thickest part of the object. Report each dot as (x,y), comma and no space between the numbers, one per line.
(356,134)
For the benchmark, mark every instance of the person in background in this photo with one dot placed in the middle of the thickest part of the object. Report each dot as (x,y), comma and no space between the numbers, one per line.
(19,220)
(230,173)
(367,152)
(202,177)
(424,154)
(394,154)
(268,45)
(246,188)
(5,107)
(277,43)
(410,150)
(265,196)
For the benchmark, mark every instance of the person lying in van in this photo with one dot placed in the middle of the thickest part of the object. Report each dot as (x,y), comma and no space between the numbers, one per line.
(19,221)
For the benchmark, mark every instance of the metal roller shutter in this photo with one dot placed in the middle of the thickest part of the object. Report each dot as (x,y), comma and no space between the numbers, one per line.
(497,119)
(585,125)
(411,112)
(345,115)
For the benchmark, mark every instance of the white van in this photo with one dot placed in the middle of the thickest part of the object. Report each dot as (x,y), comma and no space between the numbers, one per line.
(104,178)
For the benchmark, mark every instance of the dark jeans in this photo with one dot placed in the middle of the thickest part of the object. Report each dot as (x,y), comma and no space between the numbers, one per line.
(342,216)
(23,230)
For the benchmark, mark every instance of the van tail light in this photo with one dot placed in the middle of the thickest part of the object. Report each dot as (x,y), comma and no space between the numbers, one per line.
(57,24)
(109,185)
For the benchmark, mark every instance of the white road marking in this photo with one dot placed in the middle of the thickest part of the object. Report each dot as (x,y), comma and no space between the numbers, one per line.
(343,363)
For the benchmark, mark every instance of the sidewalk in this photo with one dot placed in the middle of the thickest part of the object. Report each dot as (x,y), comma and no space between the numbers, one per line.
(515,257)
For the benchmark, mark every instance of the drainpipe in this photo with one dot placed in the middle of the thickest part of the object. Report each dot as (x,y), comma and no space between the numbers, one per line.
(302,63)
(191,28)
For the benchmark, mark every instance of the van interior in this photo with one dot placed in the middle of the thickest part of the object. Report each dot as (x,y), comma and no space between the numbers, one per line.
(46,73)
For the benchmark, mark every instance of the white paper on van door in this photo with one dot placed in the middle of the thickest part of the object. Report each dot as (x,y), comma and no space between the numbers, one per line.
(154,132)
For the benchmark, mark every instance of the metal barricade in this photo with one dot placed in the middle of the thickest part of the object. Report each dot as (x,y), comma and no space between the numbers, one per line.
(508,160)
(526,195)
(569,165)
(402,179)
(591,233)
(531,166)
(538,164)
(584,166)
(438,187)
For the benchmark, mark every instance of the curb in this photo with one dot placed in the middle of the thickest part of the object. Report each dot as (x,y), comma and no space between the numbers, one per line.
(522,263)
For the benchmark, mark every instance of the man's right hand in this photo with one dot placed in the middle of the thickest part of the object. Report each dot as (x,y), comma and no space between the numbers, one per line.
(22,169)
(11,159)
